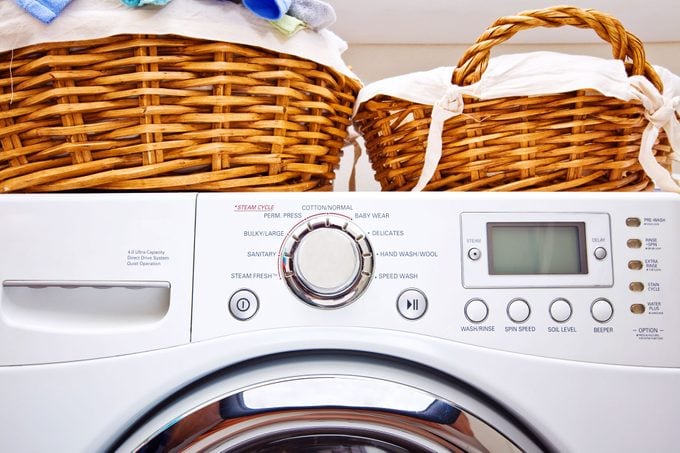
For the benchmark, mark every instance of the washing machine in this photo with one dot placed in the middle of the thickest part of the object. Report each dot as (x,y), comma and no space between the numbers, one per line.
(339,322)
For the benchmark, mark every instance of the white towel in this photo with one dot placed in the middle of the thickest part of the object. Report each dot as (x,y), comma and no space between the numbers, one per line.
(206,19)
(540,73)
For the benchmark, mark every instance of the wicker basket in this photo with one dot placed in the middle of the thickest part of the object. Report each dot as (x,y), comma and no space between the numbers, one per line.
(140,112)
(565,141)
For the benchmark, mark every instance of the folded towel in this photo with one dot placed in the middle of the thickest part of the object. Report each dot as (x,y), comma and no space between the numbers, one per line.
(45,10)
(315,13)
(268,9)
(137,3)
(288,25)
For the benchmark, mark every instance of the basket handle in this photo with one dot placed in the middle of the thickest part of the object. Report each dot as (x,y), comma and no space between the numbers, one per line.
(625,45)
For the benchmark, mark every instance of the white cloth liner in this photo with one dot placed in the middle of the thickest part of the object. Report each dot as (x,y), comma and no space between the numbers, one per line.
(204,19)
(540,73)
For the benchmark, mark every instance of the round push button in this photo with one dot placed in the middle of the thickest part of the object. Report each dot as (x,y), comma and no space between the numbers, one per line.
(243,304)
(602,310)
(600,253)
(476,310)
(474,254)
(560,310)
(518,310)
(412,303)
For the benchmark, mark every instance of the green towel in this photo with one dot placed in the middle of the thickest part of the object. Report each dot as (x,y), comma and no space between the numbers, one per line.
(288,25)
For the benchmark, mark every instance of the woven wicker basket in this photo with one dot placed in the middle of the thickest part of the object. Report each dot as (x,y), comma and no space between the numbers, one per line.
(140,112)
(568,141)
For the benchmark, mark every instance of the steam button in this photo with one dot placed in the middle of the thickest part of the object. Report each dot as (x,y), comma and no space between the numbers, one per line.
(474,254)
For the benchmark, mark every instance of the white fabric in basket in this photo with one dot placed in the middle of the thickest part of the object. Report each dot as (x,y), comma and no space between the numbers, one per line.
(204,19)
(540,73)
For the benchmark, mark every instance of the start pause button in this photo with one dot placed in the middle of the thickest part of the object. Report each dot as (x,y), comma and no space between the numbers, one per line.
(412,303)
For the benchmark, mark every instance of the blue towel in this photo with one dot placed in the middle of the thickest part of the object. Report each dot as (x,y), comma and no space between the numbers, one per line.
(138,3)
(268,9)
(45,10)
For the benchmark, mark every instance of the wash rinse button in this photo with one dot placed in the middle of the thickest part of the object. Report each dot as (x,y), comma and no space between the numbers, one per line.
(476,310)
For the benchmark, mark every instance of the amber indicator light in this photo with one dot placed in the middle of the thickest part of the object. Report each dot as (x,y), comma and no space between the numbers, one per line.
(635,265)
(634,243)
(633,222)
(638,309)
(636,286)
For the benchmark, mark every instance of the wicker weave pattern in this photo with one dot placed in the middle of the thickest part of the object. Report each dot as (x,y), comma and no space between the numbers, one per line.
(569,141)
(168,113)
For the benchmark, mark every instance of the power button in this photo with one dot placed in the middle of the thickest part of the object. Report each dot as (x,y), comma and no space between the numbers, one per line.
(243,304)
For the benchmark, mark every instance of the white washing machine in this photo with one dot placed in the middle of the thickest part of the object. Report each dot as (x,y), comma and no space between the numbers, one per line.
(335,322)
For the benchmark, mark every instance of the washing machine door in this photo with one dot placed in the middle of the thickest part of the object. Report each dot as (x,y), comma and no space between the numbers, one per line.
(330,403)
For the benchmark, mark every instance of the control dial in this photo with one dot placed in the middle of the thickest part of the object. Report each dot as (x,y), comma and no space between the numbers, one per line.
(327,261)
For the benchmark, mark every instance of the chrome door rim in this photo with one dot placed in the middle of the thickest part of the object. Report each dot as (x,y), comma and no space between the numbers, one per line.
(319,412)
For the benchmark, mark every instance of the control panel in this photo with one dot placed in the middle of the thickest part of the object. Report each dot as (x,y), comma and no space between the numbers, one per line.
(529,249)
(573,276)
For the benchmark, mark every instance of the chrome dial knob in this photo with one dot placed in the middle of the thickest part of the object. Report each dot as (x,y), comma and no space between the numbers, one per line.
(327,261)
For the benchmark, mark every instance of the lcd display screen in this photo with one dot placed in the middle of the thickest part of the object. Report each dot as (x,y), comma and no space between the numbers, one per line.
(536,248)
